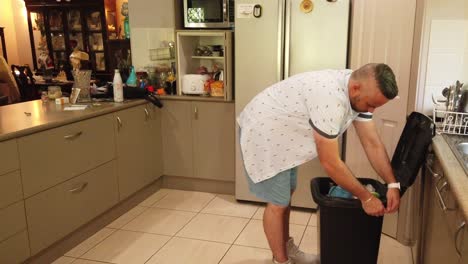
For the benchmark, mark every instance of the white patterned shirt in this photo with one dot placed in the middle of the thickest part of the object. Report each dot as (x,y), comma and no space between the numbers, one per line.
(276,125)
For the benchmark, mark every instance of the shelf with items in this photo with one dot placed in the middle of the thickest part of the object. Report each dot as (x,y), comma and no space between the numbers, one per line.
(207,58)
(57,30)
(204,63)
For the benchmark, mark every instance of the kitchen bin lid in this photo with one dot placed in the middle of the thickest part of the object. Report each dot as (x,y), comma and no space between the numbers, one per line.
(411,150)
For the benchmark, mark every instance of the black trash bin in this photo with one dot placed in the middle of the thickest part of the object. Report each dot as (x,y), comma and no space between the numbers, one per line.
(346,234)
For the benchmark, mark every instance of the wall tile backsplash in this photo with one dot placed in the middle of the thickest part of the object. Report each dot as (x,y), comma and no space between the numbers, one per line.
(144,39)
(447,57)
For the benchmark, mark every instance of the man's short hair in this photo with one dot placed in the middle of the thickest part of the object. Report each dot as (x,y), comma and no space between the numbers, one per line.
(383,75)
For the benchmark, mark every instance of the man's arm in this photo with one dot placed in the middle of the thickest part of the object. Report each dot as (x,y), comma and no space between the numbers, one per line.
(375,149)
(377,155)
(328,153)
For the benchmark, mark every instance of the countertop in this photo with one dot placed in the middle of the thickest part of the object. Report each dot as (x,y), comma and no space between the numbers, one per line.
(454,172)
(15,120)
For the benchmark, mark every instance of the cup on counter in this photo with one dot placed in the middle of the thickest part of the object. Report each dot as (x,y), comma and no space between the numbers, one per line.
(54,92)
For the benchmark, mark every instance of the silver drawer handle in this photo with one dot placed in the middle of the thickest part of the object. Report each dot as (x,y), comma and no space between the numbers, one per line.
(119,123)
(146,114)
(71,137)
(428,167)
(196,113)
(439,195)
(79,189)
(442,204)
(459,229)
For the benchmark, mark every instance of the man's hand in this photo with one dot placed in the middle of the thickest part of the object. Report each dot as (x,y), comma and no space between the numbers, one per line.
(373,207)
(393,200)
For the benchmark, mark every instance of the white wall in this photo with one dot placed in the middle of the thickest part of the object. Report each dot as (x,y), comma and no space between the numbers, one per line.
(13,17)
(444,49)
(151,25)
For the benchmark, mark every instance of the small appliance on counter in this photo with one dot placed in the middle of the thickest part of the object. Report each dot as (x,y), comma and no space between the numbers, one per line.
(194,84)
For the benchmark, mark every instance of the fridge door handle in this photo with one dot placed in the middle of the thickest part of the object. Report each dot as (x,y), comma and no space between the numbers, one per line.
(287,38)
(279,66)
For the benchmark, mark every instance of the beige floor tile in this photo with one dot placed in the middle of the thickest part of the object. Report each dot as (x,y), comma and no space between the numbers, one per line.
(227,205)
(89,243)
(127,247)
(309,243)
(253,235)
(63,260)
(215,228)
(313,219)
(160,221)
(185,200)
(85,261)
(183,251)
(154,197)
(298,217)
(127,217)
(247,255)
(391,251)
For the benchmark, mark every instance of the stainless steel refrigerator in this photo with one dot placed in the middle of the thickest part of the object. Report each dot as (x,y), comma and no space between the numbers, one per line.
(275,39)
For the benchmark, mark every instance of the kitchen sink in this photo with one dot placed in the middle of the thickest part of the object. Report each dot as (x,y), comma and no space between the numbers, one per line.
(463,148)
(459,146)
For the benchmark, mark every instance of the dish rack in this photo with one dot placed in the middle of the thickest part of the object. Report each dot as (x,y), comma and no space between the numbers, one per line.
(447,122)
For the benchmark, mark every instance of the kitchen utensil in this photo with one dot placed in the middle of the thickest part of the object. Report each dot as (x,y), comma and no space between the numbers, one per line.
(463,103)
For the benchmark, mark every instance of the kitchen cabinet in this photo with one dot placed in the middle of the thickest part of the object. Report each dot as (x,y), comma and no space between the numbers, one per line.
(138,143)
(443,232)
(210,49)
(176,121)
(15,249)
(198,139)
(56,27)
(65,152)
(8,156)
(60,210)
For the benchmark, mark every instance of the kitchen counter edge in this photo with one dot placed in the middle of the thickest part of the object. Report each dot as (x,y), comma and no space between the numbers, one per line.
(453,171)
(27,130)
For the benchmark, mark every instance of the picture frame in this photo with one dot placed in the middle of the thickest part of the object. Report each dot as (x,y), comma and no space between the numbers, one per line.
(55,20)
(100,61)
(74,20)
(94,20)
(96,42)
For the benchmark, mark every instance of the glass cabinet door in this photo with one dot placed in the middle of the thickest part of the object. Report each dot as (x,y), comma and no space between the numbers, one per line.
(39,40)
(94,23)
(75,30)
(57,37)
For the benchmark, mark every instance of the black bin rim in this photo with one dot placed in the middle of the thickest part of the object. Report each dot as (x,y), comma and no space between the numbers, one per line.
(324,200)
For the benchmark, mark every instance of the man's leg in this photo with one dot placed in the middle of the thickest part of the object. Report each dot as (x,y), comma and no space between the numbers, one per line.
(274,227)
(287,216)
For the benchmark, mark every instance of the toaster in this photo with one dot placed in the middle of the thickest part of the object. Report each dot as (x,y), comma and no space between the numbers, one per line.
(194,83)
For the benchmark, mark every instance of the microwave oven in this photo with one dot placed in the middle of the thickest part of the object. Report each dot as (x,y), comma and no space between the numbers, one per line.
(209,13)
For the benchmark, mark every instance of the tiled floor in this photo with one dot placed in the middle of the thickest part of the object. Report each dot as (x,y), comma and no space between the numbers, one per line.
(184,227)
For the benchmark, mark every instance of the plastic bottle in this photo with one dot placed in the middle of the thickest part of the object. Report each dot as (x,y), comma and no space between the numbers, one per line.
(118,87)
(132,78)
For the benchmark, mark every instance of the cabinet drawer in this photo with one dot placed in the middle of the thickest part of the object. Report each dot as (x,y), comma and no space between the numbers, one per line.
(15,249)
(12,220)
(54,213)
(8,156)
(10,188)
(56,155)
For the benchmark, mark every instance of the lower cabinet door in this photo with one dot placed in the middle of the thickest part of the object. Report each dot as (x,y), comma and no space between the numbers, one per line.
(214,140)
(15,249)
(56,212)
(130,141)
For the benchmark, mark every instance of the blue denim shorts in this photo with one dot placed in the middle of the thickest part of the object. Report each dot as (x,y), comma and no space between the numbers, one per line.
(276,190)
